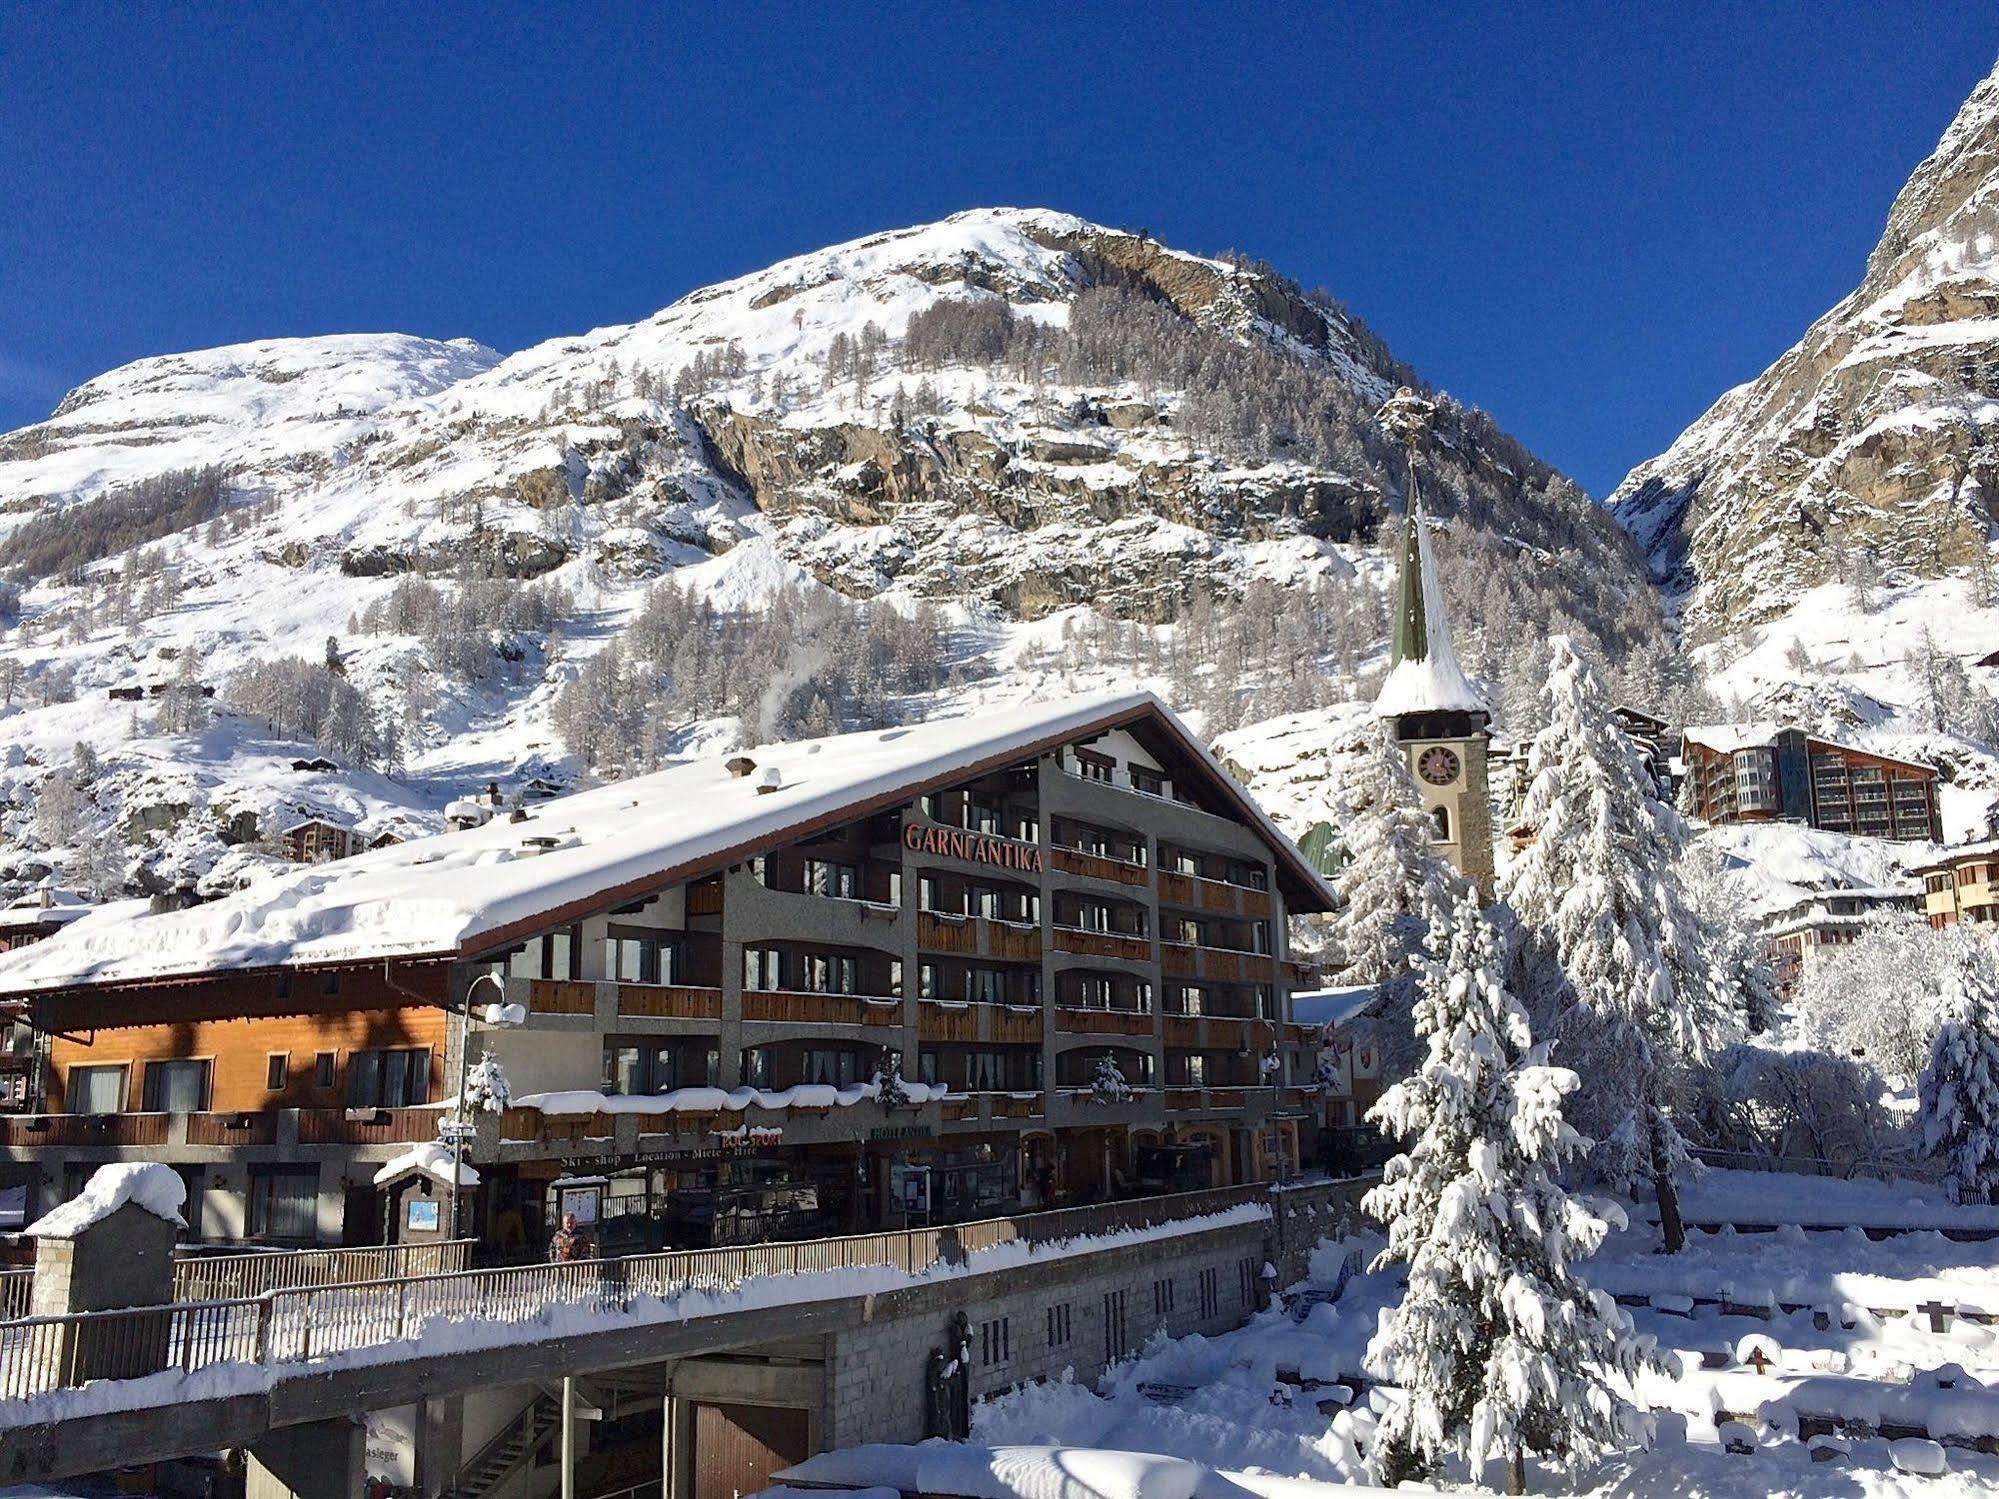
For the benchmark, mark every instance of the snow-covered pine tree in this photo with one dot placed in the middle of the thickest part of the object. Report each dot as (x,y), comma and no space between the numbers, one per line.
(1108,1085)
(1959,1090)
(1390,882)
(1620,970)
(486,1087)
(890,1091)
(1500,1349)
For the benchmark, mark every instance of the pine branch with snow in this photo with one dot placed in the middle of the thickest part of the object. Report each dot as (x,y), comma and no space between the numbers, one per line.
(890,1091)
(1959,1090)
(1500,1348)
(1109,1085)
(1623,973)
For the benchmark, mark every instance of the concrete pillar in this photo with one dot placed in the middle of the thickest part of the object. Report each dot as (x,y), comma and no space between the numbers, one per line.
(440,1444)
(568,1458)
(319,1460)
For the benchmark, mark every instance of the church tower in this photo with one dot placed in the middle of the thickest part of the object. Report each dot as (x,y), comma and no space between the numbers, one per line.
(1437,716)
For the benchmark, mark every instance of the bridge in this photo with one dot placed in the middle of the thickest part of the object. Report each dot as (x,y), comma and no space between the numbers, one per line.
(751,1356)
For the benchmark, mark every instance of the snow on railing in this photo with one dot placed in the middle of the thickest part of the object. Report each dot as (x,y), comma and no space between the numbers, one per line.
(43,1354)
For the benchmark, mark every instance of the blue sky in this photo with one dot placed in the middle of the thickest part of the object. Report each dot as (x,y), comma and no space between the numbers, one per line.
(1590,220)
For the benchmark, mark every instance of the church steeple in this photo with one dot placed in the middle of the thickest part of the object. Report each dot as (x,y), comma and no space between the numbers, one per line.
(1438,716)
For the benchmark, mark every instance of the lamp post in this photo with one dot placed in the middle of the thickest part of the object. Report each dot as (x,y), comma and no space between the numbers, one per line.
(460,1126)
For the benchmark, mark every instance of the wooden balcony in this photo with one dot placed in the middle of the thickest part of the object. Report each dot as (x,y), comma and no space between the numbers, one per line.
(940,1022)
(260,1128)
(367,1126)
(1184,1100)
(950,934)
(1104,1022)
(83,1129)
(1013,941)
(1103,945)
(1019,1106)
(1234,1034)
(533,1125)
(797,1007)
(1182,1031)
(1256,903)
(1218,896)
(1301,975)
(1022,1027)
(1301,1098)
(562,997)
(705,898)
(1177,959)
(669,1002)
(955,1110)
(1184,960)
(1097,867)
(1175,889)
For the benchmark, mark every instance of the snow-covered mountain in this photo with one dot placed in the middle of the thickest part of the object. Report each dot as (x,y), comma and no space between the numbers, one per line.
(1024,418)
(1868,448)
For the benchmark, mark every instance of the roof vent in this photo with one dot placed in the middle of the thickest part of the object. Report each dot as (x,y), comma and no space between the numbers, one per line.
(769,781)
(520,814)
(739,765)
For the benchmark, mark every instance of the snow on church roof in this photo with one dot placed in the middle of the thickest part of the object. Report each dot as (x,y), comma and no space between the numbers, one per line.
(465,893)
(1425,677)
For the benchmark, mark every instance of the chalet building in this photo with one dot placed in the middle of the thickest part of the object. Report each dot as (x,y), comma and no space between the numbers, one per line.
(1962,886)
(1654,739)
(319,840)
(1764,773)
(39,914)
(1796,935)
(914,976)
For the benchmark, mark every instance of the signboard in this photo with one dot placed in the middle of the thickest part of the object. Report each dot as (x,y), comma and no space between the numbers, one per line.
(911,1186)
(422,1216)
(582,1201)
(455,1130)
(974,848)
(389,1448)
(901,1132)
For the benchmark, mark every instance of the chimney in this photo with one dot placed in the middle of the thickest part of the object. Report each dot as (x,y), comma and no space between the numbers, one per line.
(739,765)
(493,792)
(769,781)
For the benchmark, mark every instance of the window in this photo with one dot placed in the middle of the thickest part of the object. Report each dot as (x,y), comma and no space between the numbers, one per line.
(926,981)
(1113,1326)
(194,1180)
(1095,767)
(1186,863)
(985,986)
(329,982)
(985,1072)
(1245,1271)
(284,1202)
(756,1068)
(825,878)
(179,1087)
(1211,1292)
(981,816)
(763,968)
(641,960)
(926,1067)
(995,1341)
(831,974)
(1095,991)
(1441,816)
(1187,929)
(840,1068)
(392,1079)
(554,956)
(277,1071)
(1093,916)
(1151,782)
(1162,1297)
(96,1090)
(322,1070)
(1059,1328)
(642,1067)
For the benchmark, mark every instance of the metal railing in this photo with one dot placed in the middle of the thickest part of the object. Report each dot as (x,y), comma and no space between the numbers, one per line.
(296,1324)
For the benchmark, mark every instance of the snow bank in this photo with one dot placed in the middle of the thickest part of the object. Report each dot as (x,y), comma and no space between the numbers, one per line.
(721,1100)
(1050,1472)
(147,1184)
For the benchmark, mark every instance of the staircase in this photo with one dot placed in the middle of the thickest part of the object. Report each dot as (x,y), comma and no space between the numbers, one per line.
(512,1445)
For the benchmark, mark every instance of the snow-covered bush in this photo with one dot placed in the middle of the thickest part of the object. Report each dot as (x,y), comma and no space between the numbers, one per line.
(486,1087)
(1108,1084)
(890,1091)
(1879,996)
(1796,1102)
(1959,1090)
(1500,1347)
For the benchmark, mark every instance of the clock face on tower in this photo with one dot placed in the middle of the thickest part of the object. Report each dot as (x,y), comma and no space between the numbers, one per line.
(1438,766)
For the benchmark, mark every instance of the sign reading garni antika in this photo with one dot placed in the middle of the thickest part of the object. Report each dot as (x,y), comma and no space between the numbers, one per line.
(975,848)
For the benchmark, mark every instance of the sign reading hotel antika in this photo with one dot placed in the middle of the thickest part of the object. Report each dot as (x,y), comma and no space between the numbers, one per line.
(975,848)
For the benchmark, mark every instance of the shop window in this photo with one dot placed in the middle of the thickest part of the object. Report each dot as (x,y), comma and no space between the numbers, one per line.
(284,1202)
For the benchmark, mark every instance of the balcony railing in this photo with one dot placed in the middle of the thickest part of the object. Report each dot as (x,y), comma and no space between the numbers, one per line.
(803,1007)
(1013,941)
(1104,1022)
(669,1002)
(1017,1024)
(84,1129)
(1103,944)
(562,997)
(1098,867)
(367,1126)
(259,1128)
(946,1020)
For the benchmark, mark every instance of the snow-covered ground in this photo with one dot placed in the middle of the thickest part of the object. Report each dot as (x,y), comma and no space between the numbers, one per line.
(1263,1398)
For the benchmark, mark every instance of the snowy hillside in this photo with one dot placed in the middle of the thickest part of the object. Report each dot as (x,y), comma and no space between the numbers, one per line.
(440,567)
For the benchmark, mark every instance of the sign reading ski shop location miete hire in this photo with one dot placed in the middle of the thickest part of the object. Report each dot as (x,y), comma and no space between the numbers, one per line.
(975,848)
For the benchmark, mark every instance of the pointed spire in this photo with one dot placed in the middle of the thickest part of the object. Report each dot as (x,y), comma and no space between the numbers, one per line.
(1423,675)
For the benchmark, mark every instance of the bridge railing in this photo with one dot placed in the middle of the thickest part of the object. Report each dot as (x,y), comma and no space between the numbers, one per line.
(295,1324)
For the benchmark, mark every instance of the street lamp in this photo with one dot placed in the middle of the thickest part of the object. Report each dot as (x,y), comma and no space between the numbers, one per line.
(459,1128)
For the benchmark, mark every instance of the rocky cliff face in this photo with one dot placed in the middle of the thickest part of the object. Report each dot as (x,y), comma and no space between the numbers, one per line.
(1867,447)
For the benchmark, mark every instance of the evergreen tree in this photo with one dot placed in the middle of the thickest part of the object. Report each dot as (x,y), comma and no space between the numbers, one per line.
(1623,974)
(1389,881)
(1500,1349)
(1959,1090)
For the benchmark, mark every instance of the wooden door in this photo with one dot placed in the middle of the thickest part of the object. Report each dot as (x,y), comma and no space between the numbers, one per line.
(738,1447)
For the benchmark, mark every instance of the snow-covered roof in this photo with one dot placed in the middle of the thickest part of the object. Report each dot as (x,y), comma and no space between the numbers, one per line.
(1984,848)
(61,908)
(1727,738)
(1330,1007)
(146,1184)
(430,1158)
(1426,677)
(466,893)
